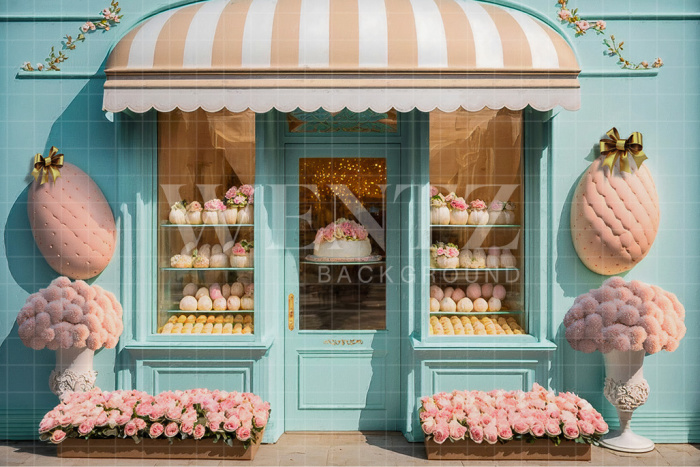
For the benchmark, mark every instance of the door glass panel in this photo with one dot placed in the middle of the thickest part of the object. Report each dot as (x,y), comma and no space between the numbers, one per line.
(342,295)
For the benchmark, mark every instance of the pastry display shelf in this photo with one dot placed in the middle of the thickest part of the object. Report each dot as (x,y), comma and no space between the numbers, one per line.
(206,269)
(475,313)
(200,226)
(211,312)
(471,336)
(206,335)
(468,226)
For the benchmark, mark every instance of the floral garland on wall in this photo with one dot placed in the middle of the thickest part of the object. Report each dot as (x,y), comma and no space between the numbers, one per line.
(110,17)
(581,26)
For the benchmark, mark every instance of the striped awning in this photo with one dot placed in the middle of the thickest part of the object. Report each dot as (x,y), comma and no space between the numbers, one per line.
(359,54)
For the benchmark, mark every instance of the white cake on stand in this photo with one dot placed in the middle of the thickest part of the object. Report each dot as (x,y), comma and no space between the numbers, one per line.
(342,240)
(343,249)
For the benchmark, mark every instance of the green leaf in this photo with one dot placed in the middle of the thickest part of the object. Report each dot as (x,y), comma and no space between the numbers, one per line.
(136,439)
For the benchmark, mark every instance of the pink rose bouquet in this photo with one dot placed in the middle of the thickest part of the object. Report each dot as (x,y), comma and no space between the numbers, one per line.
(625,316)
(239,197)
(477,204)
(172,415)
(70,314)
(230,194)
(438,200)
(448,250)
(458,204)
(501,416)
(341,229)
(194,206)
(214,205)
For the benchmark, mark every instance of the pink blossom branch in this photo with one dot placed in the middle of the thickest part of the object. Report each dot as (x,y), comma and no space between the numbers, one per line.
(110,17)
(581,26)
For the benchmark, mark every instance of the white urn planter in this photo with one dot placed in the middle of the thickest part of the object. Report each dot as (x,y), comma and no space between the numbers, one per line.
(210,217)
(230,215)
(73,371)
(439,215)
(626,389)
(245,215)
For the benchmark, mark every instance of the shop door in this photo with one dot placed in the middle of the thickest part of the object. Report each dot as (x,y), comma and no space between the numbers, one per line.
(342,332)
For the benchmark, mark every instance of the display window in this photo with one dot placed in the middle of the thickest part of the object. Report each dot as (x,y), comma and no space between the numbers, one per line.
(205,223)
(476,216)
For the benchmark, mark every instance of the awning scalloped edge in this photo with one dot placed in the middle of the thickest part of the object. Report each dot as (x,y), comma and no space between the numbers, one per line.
(333,100)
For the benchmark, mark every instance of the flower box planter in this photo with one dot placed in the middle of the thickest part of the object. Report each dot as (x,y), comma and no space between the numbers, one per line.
(510,425)
(172,425)
(120,448)
(516,450)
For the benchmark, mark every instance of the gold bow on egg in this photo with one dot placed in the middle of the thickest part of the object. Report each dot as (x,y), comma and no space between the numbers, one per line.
(616,148)
(45,165)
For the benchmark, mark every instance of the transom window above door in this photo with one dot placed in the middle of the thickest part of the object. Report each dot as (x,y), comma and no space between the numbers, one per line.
(345,121)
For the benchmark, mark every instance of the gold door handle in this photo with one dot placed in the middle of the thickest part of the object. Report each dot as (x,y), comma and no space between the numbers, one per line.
(290,312)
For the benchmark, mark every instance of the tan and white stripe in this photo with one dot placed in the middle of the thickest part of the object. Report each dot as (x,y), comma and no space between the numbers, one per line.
(240,45)
(239,35)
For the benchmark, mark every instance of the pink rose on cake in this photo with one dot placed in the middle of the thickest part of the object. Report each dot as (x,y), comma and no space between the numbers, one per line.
(343,238)
(342,229)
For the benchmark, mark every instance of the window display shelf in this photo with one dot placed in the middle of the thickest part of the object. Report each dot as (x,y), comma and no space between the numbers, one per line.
(199,226)
(206,269)
(211,312)
(475,313)
(486,226)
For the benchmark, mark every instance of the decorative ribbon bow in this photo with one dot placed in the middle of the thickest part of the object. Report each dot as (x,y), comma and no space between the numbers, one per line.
(616,148)
(45,165)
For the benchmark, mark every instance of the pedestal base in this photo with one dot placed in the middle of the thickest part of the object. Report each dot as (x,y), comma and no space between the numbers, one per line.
(626,441)
(73,372)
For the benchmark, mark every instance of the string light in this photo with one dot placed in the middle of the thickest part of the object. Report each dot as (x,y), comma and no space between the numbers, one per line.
(364,178)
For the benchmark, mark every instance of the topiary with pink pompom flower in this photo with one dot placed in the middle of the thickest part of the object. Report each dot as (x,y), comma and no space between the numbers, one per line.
(70,315)
(625,320)
(625,316)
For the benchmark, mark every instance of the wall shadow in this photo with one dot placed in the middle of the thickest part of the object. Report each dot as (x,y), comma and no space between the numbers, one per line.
(28,370)
(27,265)
(571,274)
(580,372)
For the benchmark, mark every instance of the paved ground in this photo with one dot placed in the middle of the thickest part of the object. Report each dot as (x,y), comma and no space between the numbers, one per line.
(344,449)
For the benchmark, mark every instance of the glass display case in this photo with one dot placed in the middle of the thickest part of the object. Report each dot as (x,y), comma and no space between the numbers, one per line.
(476,216)
(206,231)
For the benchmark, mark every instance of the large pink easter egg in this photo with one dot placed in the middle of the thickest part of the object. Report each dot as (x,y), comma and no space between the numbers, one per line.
(614,218)
(72,224)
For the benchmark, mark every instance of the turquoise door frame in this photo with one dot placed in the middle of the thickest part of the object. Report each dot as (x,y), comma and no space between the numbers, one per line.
(342,380)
